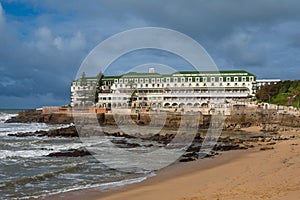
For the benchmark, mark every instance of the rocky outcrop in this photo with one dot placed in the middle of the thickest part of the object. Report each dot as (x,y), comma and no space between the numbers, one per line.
(63,132)
(27,134)
(37,116)
(70,153)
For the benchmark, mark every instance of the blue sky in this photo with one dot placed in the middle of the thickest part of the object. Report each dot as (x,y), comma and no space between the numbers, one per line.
(43,43)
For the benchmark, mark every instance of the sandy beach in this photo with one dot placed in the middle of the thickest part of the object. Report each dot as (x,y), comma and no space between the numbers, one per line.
(267,171)
(250,174)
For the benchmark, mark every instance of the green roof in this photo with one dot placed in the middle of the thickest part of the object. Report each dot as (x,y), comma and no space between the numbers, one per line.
(215,72)
(149,75)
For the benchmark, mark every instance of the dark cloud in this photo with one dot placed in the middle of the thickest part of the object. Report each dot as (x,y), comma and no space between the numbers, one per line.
(43,43)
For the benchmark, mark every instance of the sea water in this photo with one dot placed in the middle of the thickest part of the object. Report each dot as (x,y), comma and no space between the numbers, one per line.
(27,172)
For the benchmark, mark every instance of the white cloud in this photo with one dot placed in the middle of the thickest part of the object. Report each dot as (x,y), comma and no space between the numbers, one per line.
(77,41)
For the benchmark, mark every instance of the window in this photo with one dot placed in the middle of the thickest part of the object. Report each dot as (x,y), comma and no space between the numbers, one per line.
(158,80)
(116,81)
(153,80)
(175,80)
(220,79)
(212,79)
(190,79)
(141,80)
(244,79)
(182,80)
(136,80)
(197,79)
(162,80)
(251,78)
(168,80)
(146,80)
(125,80)
(228,79)
(236,79)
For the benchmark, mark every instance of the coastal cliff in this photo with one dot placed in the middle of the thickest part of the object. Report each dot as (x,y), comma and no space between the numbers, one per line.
(37,116)
(268,120)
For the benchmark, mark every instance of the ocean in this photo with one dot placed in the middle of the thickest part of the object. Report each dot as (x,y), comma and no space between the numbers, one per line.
(26,171)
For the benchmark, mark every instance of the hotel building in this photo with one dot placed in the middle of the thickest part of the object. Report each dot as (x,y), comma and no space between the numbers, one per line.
(185,89)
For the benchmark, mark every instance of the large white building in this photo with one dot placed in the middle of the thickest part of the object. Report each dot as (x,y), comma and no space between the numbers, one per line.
(178,90)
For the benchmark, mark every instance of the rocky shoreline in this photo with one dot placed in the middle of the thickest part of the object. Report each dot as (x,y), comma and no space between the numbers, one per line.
(123,140)
(270,124)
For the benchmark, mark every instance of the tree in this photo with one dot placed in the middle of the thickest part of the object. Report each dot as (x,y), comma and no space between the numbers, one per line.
(98,88)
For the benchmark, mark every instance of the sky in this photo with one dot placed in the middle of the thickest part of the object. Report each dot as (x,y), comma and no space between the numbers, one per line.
(43,43)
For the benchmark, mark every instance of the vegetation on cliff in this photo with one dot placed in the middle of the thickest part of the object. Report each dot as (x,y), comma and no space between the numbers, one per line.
(285,93)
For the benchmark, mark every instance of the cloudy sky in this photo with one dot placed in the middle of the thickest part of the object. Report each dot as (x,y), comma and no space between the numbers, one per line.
(43,43)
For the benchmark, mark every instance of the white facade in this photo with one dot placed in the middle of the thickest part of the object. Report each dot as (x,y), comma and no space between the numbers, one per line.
(178,90)
(83,92)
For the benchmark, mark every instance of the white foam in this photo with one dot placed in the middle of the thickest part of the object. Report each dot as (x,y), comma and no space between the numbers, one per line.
(13,128)
(4,154)
(102,186)
(5,116)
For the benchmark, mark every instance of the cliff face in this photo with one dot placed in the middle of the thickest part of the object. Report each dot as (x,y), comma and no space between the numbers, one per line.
(269,120)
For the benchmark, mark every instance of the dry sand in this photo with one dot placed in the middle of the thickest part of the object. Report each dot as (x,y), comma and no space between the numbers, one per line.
(252,174)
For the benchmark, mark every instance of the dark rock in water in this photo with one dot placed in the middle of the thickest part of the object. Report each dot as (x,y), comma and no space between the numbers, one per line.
(70,153)
(64,132)
(125,144)
(163,139)
(119,134)
(28,134)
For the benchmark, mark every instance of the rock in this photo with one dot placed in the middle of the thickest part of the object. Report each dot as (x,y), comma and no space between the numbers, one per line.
(266,148)
(226,147)
(267,139)
(271,143)
(64,132)
(236,141)
(124,144)
(28,134)
(70,153)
